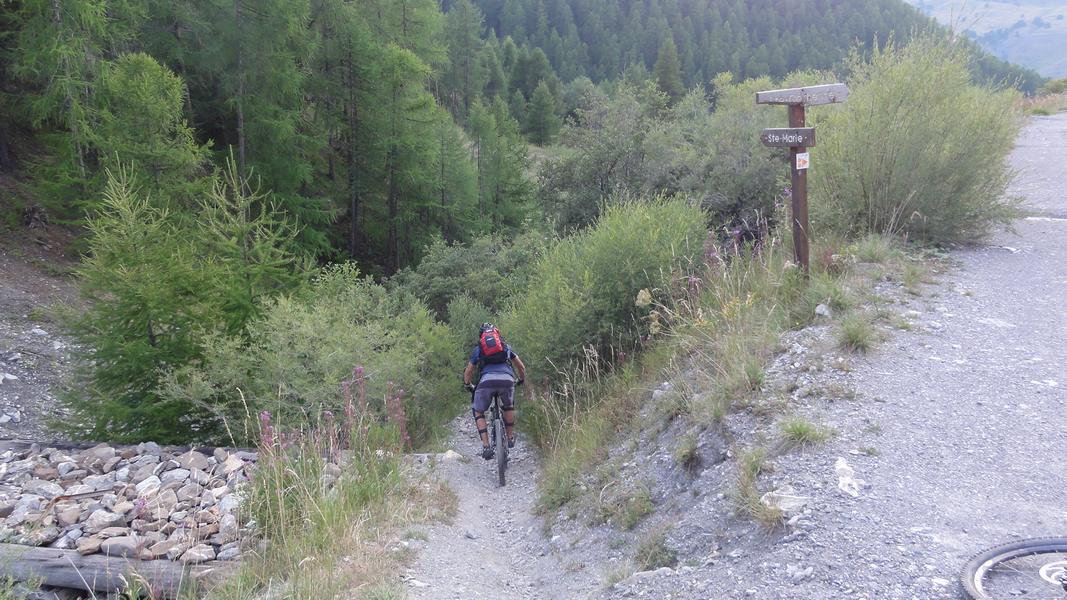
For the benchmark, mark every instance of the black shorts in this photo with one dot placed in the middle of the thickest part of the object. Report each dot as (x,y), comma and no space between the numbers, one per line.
(483,395)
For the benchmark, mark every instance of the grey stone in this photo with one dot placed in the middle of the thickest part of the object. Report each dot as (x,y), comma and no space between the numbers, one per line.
(163,548)
(228,554)
(199,477)
(101,452)
(101,519)
(228,503)
(232,464)
(198,554)
(228,527)
(174,476)
(190,492)
(148,486)
(68,516)
(192,460)
(88,545)
(99,482)
(123,545)
(46,489)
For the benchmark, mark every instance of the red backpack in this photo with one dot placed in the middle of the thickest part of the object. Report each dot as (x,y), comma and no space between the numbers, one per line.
(494,350)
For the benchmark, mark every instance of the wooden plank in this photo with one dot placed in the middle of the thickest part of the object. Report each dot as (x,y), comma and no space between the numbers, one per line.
(99,573)
(799,179)
(807,96)
(785,137)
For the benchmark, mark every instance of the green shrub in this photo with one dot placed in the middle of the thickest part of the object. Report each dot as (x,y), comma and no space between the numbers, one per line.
(1055,86)
(903,156)
(798,431)
(633,146)
(653,553)
(857,333)
(465,315)
(293,359)
(489,270)
(582,294)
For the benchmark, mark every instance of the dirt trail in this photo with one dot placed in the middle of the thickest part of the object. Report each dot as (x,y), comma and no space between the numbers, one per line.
(494,547)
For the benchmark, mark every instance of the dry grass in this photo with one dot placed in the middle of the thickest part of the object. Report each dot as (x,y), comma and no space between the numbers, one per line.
(1043,105)
(750,465)
(339,540)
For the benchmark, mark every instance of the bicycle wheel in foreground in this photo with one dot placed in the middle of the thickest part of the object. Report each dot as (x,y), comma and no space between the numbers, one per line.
(1031,568)
(501,449)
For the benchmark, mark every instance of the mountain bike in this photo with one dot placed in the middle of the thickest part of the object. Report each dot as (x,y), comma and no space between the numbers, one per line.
(1031,568)
(498,439)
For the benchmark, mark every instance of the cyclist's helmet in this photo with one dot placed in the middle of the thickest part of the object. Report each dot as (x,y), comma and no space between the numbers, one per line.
(486,327)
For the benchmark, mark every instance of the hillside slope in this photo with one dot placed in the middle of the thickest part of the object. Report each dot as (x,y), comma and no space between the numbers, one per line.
(601,38)
(1031,33)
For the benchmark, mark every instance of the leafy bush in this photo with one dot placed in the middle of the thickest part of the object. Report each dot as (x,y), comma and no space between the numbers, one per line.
(632,146)
(293,359)
(465,315)
(1055,86)
(903,156)
(582,293)
(490,271)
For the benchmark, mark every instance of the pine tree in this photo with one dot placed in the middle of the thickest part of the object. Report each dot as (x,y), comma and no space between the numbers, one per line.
(56,53)
(139,122)
(262,49)
(504,192)
(157,284)
(668,71)
(542,122)
(496,83)
(466,75)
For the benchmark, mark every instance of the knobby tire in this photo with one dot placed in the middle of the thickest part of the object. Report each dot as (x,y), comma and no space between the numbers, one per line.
(974,572)
(501,449)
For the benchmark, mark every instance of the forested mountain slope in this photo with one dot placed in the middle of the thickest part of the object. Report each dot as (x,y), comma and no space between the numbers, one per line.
(601,38)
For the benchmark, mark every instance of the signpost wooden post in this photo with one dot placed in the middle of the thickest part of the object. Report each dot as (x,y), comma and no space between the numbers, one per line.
(798,139)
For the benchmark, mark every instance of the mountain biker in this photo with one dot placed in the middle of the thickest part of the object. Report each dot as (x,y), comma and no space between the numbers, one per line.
(498,364)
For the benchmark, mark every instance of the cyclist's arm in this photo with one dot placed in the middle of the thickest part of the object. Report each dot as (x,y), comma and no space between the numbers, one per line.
(468,373)
(520,369)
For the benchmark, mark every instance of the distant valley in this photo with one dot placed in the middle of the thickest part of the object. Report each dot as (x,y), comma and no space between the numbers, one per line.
(1031,33)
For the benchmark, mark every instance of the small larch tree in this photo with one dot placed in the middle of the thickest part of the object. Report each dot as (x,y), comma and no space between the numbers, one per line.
(542,122)
(668,71)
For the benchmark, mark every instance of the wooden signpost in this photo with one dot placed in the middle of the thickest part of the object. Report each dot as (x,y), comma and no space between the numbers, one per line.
(798,139)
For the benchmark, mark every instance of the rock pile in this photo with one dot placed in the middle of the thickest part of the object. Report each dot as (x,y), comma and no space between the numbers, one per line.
(142,502)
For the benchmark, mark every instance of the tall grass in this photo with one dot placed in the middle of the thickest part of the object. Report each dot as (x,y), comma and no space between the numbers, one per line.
(322,500)
(720,326)
(906,157)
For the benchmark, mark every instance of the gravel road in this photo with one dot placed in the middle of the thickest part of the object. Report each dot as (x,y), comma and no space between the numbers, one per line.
(961,426)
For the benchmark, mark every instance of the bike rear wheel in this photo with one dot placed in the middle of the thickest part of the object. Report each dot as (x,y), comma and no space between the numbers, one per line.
(1030,568)
(501,449)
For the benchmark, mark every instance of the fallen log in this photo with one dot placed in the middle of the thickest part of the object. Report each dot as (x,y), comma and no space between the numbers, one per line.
(99,573)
